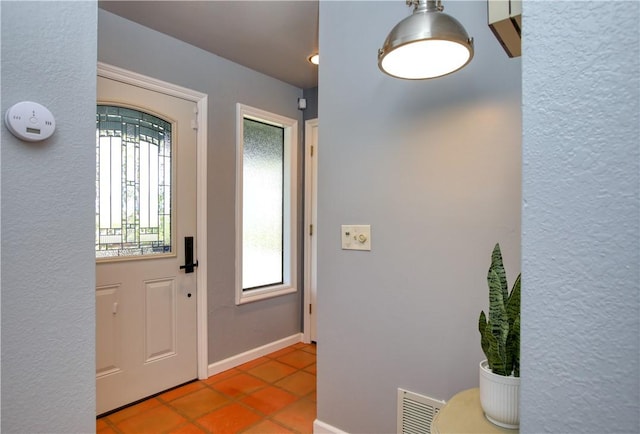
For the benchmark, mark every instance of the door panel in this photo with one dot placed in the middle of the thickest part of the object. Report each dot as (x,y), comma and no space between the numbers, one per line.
(108,334)
(145,305)
(160,325)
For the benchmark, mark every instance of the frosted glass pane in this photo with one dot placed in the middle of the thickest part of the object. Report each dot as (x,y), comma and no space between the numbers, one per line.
(104,176)
(262,204)
(133,183)
(144,184)
(116,182)
(153,185)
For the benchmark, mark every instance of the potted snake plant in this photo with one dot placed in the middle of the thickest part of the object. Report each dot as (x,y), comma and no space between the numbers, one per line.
(500,341)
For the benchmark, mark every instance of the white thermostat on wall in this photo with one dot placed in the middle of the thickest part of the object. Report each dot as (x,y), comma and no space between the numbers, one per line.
(30,121)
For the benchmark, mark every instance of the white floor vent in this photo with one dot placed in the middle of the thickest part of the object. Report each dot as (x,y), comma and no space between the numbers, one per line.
(416,412)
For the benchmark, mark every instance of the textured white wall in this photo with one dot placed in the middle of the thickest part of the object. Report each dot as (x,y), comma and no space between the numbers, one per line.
(48,195)
(434,167)
(581,218)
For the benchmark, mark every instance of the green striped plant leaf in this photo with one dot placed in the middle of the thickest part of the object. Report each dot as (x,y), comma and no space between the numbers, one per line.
(513,303)
(513,348)
(500,332)
(498,267)
(484,329)
(497,312)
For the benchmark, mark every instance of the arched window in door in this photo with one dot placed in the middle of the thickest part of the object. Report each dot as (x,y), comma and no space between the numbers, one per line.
(133,183)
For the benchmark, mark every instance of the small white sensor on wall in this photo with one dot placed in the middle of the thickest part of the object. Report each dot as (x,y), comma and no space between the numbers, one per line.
(30,121)
(302,103)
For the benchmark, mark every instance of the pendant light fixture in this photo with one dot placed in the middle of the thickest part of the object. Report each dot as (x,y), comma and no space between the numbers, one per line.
(426,44)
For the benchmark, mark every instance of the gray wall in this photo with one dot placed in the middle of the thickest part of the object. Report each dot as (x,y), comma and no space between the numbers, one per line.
(48,196)
(581,217)
(435,168)
(312,103)
(232,329)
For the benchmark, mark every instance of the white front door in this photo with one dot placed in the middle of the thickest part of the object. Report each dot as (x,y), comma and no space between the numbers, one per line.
(146,331)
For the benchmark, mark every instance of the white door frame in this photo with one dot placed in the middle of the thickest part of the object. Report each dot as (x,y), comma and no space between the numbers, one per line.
(201,100)
(310,217)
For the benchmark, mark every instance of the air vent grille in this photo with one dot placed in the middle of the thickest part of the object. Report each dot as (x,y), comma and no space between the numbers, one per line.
(416,412)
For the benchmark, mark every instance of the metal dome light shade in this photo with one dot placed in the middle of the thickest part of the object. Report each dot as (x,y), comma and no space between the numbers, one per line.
(426,44)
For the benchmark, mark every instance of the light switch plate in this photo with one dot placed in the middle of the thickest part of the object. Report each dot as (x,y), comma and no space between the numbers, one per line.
(356,237)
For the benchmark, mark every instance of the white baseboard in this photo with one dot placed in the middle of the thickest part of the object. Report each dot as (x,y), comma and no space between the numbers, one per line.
(247,356)
(320,427)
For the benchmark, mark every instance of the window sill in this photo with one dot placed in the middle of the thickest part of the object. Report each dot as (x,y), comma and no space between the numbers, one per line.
(263,293)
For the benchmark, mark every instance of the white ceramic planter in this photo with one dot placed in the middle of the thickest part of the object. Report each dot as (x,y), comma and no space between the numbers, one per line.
(500,397)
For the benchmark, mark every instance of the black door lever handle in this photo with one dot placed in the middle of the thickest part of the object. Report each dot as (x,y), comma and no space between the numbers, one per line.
(188,256)
(188,268)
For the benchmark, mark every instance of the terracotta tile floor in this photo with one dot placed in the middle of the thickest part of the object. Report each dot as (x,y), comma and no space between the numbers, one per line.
(273,394)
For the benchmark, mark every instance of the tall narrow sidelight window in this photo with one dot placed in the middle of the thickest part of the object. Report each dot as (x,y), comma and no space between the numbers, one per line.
(133,183)
(266,258)
(262,200)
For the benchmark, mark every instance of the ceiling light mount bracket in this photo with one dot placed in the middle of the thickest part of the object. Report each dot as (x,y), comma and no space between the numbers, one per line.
(426,5)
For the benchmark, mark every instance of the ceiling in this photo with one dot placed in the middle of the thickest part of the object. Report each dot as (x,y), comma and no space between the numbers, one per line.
(272,37)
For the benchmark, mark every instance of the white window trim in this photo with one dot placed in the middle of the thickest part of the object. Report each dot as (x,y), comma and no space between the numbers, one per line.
(290,266)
